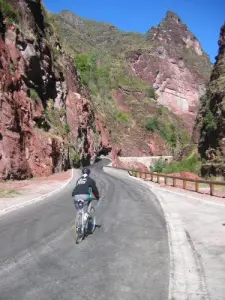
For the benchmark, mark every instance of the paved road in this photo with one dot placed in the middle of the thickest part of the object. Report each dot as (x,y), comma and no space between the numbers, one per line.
(126,258)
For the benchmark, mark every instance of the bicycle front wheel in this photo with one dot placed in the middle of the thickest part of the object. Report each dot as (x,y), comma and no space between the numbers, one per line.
(79,232)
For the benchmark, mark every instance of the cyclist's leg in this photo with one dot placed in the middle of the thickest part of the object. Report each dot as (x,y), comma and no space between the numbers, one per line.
(89,206)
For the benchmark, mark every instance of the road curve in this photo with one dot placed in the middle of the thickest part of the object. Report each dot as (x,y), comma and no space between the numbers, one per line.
(126,258)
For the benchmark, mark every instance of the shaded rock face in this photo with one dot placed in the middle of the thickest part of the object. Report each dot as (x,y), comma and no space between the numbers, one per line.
(176,66)
(35,71)
(211,117)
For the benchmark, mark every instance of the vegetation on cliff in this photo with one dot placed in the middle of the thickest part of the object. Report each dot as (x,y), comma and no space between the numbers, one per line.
(211,117)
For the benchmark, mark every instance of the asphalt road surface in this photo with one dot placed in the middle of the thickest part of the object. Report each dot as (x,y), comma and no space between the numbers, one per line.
(127,257)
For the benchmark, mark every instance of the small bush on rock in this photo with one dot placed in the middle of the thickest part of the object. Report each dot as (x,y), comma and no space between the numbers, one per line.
(158,166)
(9,11)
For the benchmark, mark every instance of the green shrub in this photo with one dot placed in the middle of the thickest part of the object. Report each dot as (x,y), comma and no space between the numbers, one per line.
(209,122)
(158,166)
(203,100)
(51,103)
(33,94)
(74,156)
(166,130)
(152,125)
(159,111)
(82,64)
(122,116)
(9,11)
(150,92)
(96,77)
(67,128)
(188,164)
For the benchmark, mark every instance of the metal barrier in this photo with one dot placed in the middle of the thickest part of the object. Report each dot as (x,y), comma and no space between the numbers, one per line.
(151,175)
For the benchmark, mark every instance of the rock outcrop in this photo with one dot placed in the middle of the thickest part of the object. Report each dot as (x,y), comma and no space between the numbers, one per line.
(176,66)
(211,117)
(47,122)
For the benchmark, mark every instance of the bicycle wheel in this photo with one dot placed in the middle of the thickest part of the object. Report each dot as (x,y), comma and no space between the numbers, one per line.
(92,221)
(79,232)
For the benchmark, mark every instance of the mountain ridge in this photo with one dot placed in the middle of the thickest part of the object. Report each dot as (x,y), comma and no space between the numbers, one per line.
(83,89)
(167,58)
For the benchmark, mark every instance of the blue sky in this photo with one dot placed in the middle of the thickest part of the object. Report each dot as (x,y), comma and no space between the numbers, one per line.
(203,17)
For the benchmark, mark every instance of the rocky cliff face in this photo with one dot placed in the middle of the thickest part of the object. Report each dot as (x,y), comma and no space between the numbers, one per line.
(47,122)
(176,66)
(211,117)
(168,61)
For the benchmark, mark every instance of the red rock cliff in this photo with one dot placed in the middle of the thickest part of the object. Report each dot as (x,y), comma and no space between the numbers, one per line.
(176,66)
(46,120)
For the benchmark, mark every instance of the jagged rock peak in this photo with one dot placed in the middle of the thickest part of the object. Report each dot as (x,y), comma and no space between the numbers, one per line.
(70,17)
(221,41)
(170,15)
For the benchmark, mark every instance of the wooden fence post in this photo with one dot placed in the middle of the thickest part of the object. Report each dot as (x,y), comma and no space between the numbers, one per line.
(211,185)
(165,180)
(174,181)
(184,184)
(157,178)
(196,186)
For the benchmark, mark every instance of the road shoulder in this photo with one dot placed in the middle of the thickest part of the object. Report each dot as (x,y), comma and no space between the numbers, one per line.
(196,236)
(196,240)
(30,191)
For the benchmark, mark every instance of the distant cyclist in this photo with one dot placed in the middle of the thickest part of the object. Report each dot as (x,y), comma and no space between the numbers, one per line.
(85,187)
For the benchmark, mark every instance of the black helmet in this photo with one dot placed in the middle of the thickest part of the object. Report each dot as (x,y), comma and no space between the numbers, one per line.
(86,171)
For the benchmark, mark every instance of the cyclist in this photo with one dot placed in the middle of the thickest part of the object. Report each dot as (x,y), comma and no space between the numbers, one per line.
(85,187)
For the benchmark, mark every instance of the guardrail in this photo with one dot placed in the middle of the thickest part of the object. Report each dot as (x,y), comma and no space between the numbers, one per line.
(157,176)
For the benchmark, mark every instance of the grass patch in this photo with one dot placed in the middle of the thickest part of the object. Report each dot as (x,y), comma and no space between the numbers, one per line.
(67,128)
(122,116)
(8,193)
(165,130)
(9,11)
(168,127)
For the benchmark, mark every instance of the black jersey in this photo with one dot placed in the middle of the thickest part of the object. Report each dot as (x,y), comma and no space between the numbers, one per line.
(83,185)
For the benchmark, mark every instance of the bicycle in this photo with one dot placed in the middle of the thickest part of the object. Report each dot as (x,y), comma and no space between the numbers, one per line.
(85,222)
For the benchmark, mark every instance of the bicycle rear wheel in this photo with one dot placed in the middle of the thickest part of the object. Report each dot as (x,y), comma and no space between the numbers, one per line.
(79,232)
(92,221)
